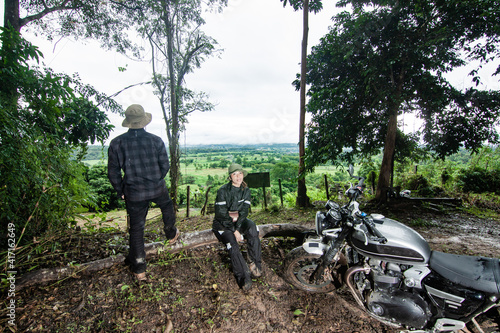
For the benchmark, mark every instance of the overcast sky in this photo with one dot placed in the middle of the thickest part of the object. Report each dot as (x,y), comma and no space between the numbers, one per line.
(250,83)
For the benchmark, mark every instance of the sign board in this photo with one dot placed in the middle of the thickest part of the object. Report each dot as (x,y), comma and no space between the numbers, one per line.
(258,179)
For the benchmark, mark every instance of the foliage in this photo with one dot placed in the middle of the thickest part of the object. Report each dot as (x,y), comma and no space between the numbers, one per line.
(105,21)
(286,171)
(44,117)
(385,58)
(479,180)
(314,5)
(421,186)
(103,192)
(460,173)
(485,204)
(178,47)
(429,177)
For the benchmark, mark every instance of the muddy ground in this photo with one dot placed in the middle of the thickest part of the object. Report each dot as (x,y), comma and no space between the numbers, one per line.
(195,291)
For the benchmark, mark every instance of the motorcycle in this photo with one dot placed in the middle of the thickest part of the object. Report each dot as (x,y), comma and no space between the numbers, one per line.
(391,271)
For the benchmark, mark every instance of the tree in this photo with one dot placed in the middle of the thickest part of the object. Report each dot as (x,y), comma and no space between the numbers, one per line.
(101,20)
(44,117)
(314,6)
(286,171)
(178,46)
(388,57)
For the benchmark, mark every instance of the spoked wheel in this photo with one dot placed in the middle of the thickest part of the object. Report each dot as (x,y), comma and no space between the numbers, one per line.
(300,265)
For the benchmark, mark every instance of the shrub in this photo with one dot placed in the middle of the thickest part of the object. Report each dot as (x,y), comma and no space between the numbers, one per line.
(479,180)
(421,185)
(103,192)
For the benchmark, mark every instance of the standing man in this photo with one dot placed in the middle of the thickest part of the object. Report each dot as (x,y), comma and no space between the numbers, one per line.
(143,158)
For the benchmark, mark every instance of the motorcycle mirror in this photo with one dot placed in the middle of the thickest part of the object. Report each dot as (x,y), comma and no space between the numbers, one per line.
(351,170)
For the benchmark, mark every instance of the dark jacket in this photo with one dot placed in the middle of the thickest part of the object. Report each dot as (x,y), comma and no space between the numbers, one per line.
(143,158)
(230,198)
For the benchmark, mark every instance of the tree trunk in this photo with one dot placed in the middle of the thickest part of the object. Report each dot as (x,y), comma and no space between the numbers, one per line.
(173,137)
(11,17)
(384,178)
(302,198)
(174,170)
(11,14)
(185,241)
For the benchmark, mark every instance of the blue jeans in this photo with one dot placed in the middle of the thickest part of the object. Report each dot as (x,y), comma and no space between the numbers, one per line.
(137,211)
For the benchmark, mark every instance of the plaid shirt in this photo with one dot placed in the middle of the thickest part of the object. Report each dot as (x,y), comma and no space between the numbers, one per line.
(143,158)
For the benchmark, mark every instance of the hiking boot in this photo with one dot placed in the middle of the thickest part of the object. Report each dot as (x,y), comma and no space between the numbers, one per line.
(247,285)
(174,240)
(141,277)
(254,270)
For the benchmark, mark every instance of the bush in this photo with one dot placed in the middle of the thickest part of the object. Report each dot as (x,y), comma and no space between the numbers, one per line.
(104,195)
(479,180)
(422,186)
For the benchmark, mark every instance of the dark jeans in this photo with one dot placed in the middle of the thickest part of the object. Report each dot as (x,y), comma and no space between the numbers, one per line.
(251,234)
(137,211)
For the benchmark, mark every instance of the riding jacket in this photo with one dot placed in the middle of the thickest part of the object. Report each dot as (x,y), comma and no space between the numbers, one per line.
(231,198)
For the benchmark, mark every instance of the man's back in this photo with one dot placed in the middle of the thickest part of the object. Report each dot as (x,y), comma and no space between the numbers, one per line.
(143,158)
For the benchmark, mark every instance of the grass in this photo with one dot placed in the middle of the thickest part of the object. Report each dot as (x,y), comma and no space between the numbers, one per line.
(418,222)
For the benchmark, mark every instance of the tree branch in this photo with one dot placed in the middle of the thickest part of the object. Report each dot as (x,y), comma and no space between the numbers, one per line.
(46,11)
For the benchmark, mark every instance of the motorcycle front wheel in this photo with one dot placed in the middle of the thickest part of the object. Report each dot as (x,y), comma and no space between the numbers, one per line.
(299,266)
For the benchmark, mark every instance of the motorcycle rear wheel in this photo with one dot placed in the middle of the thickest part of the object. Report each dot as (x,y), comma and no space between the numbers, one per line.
(299,266)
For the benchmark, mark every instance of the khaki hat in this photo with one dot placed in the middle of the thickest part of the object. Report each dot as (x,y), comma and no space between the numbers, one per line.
(135,117)
(236,167)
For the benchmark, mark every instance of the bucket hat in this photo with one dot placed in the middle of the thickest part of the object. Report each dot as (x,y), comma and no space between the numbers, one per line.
(236,167)
(135,117)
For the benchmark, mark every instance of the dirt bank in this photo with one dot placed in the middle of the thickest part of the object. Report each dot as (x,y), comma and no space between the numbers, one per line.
(194,291)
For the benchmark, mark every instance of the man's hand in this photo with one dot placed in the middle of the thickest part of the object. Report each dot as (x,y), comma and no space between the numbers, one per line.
(238,236)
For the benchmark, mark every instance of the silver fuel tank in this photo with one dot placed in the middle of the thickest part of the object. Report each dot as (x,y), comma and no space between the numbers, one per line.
(404,245)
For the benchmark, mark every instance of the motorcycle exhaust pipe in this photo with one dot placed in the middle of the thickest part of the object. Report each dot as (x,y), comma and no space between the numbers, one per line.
(349,280)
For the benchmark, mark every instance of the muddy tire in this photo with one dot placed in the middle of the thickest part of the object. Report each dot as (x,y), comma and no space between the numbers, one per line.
(299,266)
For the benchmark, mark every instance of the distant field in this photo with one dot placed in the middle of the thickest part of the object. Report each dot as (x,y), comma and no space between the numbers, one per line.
(198,162)
(204,173)
(94,162)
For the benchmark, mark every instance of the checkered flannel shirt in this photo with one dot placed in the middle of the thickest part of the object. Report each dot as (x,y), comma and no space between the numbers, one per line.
(143,158)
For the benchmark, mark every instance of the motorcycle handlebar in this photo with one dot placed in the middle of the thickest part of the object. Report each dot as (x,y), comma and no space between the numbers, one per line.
(374,231)
(361,181)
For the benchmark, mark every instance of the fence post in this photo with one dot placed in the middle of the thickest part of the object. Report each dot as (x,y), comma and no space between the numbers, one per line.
(326,188)
(281,192)
(187,206)
(265,200)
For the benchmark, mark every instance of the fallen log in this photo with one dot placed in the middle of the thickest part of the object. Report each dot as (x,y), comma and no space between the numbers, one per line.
(188,240)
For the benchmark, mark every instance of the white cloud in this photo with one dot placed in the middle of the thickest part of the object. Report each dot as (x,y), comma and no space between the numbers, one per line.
(250,83)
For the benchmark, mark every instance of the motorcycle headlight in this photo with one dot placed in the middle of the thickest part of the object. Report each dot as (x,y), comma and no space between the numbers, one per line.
(330,220)
(319,222)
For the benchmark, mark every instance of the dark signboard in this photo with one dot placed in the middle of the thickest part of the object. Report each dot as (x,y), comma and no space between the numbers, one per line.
(258,179)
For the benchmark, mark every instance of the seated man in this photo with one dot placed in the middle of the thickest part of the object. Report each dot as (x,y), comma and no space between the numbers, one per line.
(231,223)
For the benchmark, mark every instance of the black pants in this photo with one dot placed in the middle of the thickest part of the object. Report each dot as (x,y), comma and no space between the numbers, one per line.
(251,234)
(137,211)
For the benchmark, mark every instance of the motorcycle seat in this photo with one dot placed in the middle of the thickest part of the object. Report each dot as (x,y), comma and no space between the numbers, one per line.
(479,273)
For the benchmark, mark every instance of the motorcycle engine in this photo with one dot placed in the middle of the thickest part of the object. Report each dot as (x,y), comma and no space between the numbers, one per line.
(390,300)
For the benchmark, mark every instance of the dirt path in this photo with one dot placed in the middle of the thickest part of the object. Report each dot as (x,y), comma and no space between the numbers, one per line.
(194,291)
